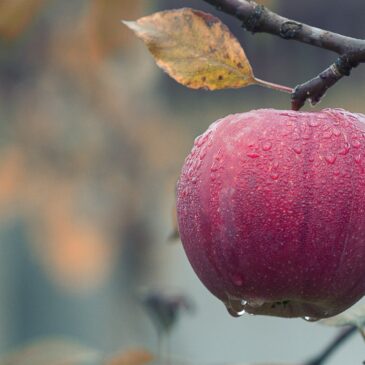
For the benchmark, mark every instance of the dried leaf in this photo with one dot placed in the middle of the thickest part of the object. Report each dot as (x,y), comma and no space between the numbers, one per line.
(195,48)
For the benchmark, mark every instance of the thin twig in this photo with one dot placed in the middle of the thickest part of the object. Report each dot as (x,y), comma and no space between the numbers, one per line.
(333,346)
(258,19)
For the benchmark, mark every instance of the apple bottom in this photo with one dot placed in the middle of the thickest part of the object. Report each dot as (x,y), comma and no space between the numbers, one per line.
(285,308)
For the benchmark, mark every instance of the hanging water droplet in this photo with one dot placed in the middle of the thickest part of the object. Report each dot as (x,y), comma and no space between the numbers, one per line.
(310,319)
(330,158)
(266,146)
(235,307)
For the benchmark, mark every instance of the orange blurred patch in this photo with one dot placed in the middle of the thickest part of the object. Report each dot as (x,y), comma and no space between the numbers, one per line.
(131,357)
(105,23)
(16,15)
(12,174)
(76,253)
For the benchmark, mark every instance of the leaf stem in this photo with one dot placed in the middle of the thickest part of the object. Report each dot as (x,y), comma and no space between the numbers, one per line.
(271,85)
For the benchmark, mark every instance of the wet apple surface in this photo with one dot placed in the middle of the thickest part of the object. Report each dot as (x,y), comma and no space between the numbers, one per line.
(271,211)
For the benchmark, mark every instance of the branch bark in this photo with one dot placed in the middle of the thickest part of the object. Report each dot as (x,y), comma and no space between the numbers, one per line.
(258,19)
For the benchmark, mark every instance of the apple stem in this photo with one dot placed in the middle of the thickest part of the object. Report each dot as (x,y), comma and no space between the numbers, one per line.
(271,85)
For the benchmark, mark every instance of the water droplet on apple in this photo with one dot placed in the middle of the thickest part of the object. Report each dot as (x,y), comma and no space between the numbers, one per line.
(297,149)
(345,149)
(336,132)
(237,280)
(330,158)
(235,307)
(274,175)
(266,146)
(357,158)
(327,134)
(253,154)
(314,122)
(356,143)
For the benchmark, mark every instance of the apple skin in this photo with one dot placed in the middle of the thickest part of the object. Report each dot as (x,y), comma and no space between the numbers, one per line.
(271,211)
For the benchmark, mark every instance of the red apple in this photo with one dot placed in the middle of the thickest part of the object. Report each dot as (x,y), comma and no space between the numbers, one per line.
(271,211)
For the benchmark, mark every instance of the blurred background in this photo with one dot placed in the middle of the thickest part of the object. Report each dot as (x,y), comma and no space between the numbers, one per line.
(92,139)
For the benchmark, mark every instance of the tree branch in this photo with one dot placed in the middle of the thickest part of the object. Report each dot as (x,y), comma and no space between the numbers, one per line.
(333,346)
(258,19)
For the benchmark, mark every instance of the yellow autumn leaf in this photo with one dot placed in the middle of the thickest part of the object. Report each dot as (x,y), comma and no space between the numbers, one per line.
(195,48)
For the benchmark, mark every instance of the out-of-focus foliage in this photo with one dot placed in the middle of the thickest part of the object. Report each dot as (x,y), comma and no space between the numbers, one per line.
(52,352)
(16,16)
(64,351)
(79,148)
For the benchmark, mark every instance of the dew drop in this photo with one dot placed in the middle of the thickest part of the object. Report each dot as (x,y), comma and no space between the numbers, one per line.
(274,175)
(327,134)
(266,146)
(356,143)
(336,132)
(336,173)
(275,164)
(237,279)
(345,150)
(357,158)
(330,158)
(313,122)
(199,141)
(194,180)
(297,149)
(253,154)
